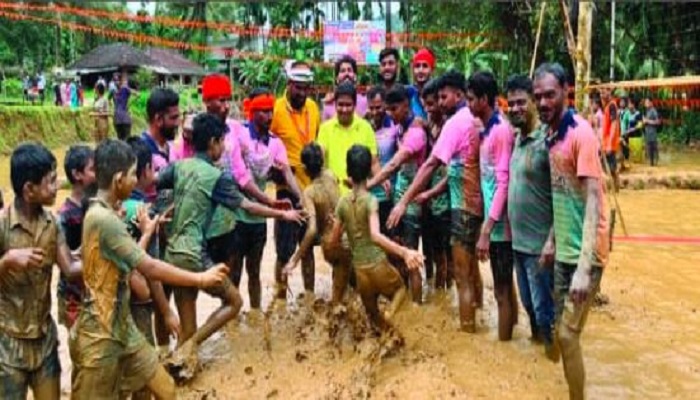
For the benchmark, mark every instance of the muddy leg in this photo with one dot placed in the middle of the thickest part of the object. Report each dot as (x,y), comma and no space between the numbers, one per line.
(236,268)
(465,287)
(477,283)
(280,280)
(162,385)
(47,389)
(569,343)
(440,269)
(161,332)
(252,267)
(503,293)
(341,277)
(308,271)
(231,304)
(186,303)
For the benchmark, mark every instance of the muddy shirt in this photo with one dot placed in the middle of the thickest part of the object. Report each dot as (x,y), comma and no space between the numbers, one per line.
(458,148)
(440,203)
(573,156)
(105,327)
(354,213)
(412,139)
(200,186)
(70,216)
(25,293)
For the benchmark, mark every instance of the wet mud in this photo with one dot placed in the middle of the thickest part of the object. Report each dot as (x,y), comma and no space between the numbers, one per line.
(641,341)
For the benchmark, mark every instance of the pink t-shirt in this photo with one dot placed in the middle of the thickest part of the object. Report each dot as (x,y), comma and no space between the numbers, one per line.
(233,156)
(181,150)
(458,148)
(415,141)
(494,155)
(259,158)
(573,155)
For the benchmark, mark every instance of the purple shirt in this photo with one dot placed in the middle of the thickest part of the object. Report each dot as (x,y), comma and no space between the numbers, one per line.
(458,148)
(233,155)
(160,160)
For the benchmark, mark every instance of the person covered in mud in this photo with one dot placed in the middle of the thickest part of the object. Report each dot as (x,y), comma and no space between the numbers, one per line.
(266,159)
(580,217)
(412,146)
(357,215)
(111,358)
(458,149)
(31,243)
(530,210)
(320,200)
(436,201)
(199,186)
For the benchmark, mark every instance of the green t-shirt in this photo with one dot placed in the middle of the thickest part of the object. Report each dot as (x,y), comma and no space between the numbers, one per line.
(105,328)
(440,203)
(354,213)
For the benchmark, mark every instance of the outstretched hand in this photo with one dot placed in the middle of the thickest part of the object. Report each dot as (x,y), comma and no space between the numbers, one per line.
(213,276)
(395,216)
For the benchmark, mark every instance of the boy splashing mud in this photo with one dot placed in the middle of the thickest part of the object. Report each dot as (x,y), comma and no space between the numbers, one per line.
(111,358)
(357,214)
(320,200)
(199,188)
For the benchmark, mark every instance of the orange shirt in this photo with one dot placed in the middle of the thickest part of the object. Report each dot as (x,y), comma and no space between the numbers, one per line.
(296,129)
(611,128)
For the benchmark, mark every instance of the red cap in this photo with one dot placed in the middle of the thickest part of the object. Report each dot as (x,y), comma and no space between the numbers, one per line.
(216,86)
(426,56)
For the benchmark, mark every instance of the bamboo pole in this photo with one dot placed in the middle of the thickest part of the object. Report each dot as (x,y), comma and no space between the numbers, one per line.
(537,39)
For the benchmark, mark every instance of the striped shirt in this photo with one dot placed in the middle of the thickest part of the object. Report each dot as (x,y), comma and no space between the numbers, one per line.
(530,192)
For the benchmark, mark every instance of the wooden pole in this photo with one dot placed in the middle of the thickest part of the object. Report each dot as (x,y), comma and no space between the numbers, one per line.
(537,39)
(568,31)
(582,56)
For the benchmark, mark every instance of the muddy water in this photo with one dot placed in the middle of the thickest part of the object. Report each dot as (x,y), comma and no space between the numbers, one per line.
(643,344)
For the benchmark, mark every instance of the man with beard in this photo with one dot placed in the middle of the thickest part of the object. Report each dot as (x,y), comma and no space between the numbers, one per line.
(580,217)
(389,60)
(216,94)
(266,159)
(295,120)
(530,210)
(411,153)
(423,66)
(494,242)
(458,149)
(163,111)
(345,71)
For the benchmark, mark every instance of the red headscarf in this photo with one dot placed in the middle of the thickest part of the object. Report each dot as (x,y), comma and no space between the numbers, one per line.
(261,102)
(426,56)
(216,86)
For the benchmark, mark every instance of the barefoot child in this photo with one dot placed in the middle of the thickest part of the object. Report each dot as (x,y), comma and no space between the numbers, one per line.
(31,242)
(358,217)
(320,200)
(111,358)
(79,166)
(199,187)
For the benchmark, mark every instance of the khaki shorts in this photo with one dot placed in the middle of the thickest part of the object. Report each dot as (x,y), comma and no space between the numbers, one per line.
(128,373)
(379,278)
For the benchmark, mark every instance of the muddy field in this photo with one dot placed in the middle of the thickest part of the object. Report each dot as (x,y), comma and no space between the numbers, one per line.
(642,344)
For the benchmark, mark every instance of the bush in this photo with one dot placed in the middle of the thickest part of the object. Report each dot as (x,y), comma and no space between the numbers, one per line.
(13,87)
(143,79)
(687,131)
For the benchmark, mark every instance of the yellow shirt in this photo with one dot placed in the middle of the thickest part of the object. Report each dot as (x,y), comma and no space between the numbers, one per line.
(336,140)
(296,129)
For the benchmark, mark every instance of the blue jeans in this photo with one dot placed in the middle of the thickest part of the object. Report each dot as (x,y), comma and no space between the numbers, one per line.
(536,286)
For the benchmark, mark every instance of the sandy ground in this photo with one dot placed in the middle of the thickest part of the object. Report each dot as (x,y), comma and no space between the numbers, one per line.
(642,344)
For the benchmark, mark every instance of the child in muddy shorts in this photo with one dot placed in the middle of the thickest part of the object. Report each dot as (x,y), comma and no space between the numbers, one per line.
(320,200)
(357,215)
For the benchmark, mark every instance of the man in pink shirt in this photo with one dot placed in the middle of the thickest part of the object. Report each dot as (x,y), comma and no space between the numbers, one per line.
(183,147)
(580,218)
(345,71)
(412,145)
(163,113)
(458,149)
(494,163)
